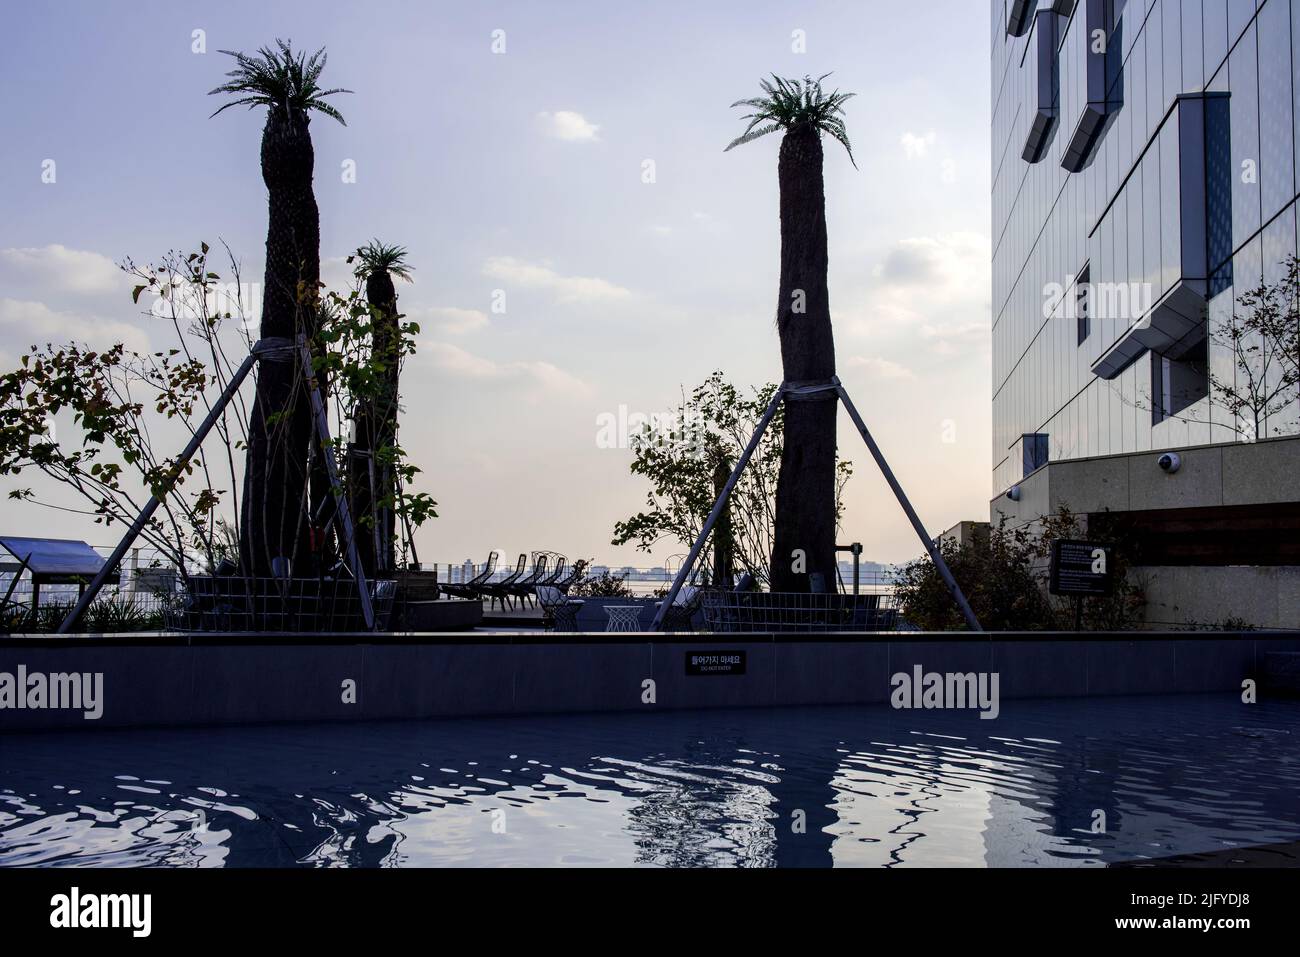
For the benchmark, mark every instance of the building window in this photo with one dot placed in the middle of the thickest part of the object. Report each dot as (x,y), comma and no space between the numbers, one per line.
(1033,450)
(1046,63)
(1082,303)
(1178,383)
(1101,44)
(1019,14)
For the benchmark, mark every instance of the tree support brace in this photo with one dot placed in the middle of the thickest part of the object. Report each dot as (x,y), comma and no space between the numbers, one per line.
(809,392)
(270,349)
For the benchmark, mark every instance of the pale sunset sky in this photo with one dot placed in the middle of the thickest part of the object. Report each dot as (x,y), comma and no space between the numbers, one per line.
(522,171)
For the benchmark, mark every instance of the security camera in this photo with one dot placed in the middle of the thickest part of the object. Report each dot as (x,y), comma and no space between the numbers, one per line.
(1170,462)
(1013,493)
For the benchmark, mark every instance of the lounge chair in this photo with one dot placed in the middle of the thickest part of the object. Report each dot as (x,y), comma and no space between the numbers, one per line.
(557,573)
(523,588)
(499,591)
(559,611)
(574,576)
(474,587)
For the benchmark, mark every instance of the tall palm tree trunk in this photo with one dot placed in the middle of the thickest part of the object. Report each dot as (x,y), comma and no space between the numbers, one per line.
(277,497)
(804,539)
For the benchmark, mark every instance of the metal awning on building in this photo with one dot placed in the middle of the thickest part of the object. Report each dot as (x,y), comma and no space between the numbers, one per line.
(51,560)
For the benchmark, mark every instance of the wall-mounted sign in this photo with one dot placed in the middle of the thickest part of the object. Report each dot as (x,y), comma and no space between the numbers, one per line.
(715,662)
(1080,568)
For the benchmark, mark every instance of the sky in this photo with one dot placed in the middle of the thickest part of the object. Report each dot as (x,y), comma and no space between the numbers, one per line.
(526,172)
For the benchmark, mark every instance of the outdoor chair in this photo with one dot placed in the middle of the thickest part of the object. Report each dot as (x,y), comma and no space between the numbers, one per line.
(574,576)
(682,610)
(473,587)
(559,611)
(499,591)
(523,589)
(557,573)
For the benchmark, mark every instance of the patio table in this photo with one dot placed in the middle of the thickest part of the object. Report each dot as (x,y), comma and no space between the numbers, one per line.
(623,617)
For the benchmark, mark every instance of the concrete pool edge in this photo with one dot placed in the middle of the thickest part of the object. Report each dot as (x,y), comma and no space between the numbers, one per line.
(175,680)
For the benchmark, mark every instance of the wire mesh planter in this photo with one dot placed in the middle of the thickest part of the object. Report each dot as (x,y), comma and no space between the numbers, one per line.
(731,611)
(299,605)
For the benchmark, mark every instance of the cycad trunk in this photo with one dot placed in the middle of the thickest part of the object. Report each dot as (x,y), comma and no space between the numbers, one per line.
(274,515)
(804,539)
(376,435)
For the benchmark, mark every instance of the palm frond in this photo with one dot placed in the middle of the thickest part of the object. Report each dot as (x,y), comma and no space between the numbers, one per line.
(752,135)
(279,79)
(787,104)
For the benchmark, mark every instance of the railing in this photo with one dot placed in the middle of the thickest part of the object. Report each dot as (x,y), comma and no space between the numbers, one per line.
(731,611)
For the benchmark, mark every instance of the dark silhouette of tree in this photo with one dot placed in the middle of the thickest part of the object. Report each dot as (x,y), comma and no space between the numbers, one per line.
(805,496)
(372,478)
(278,504)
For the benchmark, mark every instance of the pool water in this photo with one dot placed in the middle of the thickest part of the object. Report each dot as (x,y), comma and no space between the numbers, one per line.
(1082,782)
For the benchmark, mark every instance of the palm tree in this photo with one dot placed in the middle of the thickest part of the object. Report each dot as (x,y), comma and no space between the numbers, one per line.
(805,492)
(275,520)
(375,417)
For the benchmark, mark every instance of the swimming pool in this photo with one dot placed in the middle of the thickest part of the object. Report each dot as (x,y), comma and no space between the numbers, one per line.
(1078,782)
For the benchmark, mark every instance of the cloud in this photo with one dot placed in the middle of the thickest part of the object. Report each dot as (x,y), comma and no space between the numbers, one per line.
(541,276)
(916,147)
(913,262)
(931,292)
(338,274)
(952,338)
(450,319)
(460,363)
(567,125)
(24,323)
(881,368)
(58,267)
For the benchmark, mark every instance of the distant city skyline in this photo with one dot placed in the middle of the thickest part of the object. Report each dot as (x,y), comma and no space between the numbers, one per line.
(575,175)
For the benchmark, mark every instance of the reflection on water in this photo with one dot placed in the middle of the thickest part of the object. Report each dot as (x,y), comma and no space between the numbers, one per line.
(861,786)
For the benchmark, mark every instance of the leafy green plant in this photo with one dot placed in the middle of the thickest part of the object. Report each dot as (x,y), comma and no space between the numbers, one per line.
(1004,577)
(604,585)
(112,614)
(121,400)
(679,455)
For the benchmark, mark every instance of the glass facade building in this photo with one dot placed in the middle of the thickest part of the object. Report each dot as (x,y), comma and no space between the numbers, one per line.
(1146,155)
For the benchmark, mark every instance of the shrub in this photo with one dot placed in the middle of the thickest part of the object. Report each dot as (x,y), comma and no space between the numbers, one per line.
(603,586)
(1004,577)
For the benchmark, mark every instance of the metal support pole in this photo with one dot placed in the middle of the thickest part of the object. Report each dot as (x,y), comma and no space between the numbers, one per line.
(263,347)
(331,469)
(22,567)
(935,555)
(685,571)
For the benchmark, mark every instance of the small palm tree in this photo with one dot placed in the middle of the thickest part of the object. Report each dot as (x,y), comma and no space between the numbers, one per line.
(375,257)
(375,418)
(806,486)
(277,504)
